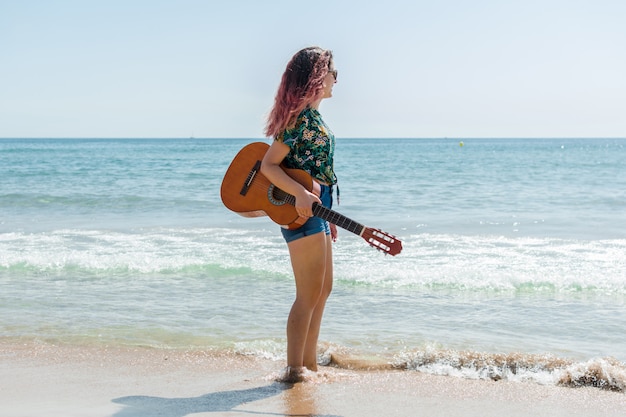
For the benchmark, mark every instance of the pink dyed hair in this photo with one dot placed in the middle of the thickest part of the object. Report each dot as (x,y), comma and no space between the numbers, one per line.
(301,85)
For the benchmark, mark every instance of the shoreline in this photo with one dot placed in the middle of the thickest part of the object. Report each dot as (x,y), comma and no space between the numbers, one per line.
(67,380)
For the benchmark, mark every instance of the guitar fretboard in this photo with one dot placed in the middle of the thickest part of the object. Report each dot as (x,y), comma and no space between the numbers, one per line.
(324,213)
(338,219)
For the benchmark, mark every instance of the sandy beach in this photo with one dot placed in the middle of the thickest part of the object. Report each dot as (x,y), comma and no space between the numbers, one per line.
(50,380)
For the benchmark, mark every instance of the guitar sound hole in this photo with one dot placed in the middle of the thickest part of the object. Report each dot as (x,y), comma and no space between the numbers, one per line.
(276,195)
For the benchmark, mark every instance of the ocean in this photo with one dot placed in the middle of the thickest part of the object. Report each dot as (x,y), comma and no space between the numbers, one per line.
(513,263)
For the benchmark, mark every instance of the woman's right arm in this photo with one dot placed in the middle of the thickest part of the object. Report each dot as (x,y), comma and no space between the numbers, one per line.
(270,167)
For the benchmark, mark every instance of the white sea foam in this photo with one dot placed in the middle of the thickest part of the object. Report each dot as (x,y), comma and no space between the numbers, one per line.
(603,373)
(429,261)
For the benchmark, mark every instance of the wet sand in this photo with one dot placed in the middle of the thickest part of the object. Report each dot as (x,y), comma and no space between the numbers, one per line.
(65,381)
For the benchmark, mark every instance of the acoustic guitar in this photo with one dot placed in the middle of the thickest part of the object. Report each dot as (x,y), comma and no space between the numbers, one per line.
(246,191)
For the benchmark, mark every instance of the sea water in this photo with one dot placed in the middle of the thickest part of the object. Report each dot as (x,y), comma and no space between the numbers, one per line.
(513,262)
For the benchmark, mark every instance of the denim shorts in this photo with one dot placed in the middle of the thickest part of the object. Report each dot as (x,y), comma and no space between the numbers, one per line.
(314,224)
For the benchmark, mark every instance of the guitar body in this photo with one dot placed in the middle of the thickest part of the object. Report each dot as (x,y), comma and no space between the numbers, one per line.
(246,191)
(260,198)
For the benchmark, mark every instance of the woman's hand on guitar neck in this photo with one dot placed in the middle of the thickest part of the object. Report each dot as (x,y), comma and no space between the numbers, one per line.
(304,203)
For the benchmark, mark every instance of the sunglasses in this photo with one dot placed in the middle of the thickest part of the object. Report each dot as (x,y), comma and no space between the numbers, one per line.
(334,73)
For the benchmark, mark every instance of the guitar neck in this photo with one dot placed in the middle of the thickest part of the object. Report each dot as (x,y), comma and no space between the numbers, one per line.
(331,216)
(338,219)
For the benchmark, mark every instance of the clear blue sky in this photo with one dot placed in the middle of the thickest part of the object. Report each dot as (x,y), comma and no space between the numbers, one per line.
(449,68)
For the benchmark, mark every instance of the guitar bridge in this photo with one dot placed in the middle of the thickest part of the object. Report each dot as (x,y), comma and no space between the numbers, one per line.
(250,178)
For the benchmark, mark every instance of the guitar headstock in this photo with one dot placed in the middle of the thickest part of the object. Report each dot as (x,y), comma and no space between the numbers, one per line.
(384,242)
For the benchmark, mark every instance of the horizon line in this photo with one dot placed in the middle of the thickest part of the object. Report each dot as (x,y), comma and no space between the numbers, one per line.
(342,138)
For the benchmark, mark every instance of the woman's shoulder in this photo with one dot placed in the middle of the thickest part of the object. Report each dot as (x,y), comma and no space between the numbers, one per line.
(308,119)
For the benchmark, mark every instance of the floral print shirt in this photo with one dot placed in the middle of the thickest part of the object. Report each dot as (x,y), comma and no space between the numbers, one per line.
(312,146)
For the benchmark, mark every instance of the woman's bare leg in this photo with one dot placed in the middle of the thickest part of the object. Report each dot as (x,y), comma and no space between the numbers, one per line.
(310,348)
(311,259)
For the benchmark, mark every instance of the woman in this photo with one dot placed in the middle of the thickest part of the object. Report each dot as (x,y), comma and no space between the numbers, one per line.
(302,140)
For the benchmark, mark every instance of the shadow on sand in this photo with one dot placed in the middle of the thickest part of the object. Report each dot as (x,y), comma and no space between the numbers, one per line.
(144,406)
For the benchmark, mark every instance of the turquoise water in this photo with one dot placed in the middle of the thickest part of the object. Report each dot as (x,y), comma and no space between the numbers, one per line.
(510,246)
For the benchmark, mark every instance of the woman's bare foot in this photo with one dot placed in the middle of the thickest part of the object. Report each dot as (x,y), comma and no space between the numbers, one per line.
(293,374)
